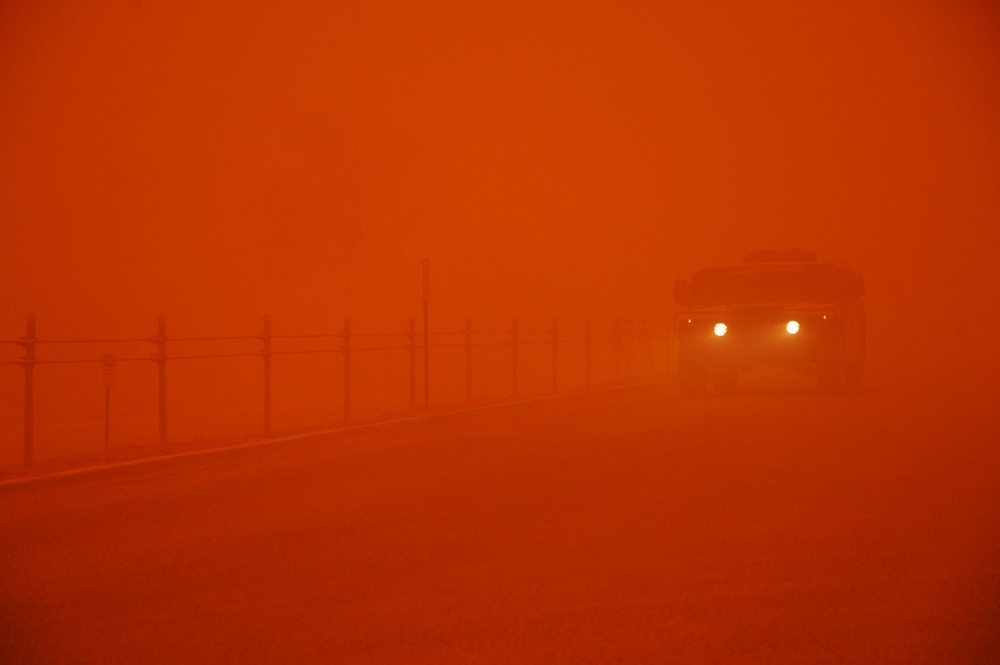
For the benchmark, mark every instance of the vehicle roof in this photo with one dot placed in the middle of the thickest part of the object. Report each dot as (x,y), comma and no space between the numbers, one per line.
(776,266)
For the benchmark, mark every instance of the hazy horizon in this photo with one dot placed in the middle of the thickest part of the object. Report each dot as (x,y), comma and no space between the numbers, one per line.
(214,162)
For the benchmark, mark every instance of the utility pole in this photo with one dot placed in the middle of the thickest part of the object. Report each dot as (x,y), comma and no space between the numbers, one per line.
(427,344)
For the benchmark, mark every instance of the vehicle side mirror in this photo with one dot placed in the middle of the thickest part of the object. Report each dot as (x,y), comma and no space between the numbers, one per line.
(682,292)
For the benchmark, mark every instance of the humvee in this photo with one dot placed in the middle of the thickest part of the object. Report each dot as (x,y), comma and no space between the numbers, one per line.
(779,308)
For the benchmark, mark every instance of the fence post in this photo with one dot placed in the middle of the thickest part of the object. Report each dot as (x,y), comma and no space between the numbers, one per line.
(555,356)
(347,369)
(514,335)
(265,354)
(412,348)
(587,339)
(161,370)
(619,351)
(29,393)
(427,336)
(468,359)
(630,349)
(108,362)
(647,347)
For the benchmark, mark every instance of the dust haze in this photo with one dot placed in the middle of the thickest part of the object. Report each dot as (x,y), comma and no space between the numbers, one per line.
(558,163)
(214,163)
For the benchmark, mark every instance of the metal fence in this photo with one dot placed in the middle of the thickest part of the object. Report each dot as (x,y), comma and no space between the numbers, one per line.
(631,345)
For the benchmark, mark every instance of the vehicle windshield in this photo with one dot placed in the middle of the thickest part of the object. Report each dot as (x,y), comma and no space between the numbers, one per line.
(756,285)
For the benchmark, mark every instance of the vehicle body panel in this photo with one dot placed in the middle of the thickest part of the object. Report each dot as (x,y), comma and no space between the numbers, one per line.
(804,315)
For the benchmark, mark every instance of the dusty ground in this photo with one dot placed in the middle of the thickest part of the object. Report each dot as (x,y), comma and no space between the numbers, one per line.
(629,526)
(149,450)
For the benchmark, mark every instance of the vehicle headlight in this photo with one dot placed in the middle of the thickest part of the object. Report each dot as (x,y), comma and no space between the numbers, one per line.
(720,329)
(792,327)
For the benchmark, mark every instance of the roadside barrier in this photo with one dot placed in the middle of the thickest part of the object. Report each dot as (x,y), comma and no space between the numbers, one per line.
(631,345)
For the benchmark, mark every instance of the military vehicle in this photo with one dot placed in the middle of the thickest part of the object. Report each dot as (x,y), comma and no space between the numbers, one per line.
(779,308)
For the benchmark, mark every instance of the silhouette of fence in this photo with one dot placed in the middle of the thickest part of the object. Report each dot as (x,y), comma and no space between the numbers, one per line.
(631,346)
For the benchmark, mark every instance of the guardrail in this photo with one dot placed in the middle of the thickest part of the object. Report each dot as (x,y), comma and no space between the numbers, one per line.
(630,342)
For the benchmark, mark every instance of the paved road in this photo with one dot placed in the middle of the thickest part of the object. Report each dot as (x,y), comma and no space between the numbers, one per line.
(630,526)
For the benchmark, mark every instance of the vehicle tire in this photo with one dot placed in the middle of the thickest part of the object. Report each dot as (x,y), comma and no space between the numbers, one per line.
(831,368)
(725,381)
(693,374)
(852,375)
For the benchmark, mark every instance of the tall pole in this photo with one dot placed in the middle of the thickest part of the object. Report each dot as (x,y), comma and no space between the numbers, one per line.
(427,344)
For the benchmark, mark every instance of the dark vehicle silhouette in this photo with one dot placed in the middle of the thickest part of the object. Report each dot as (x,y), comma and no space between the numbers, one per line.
(780,308)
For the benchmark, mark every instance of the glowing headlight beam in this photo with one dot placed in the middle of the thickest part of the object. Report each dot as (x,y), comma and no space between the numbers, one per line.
(792,327)
(720,329)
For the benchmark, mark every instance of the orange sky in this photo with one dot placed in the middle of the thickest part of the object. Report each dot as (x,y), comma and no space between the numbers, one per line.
(214,161)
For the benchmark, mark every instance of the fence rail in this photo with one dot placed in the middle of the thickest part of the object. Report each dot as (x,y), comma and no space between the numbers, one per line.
(629,341)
